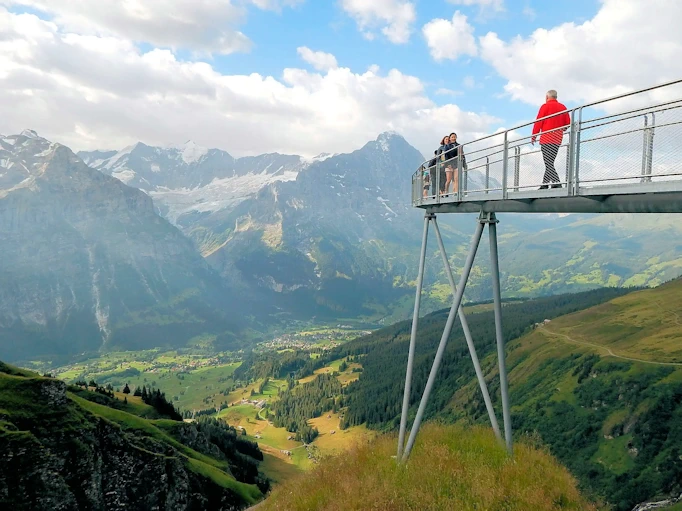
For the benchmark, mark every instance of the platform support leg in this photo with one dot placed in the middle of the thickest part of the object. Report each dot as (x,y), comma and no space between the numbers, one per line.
(467,336)
(457,301)
(495,274)
(413,335)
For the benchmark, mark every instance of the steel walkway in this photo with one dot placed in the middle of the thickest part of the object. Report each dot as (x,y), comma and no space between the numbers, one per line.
(618,155)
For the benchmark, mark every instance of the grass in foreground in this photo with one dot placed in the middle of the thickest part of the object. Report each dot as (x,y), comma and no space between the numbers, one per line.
(449,468)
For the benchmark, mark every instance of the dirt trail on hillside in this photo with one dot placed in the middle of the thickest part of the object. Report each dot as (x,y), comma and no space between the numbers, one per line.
(608,350)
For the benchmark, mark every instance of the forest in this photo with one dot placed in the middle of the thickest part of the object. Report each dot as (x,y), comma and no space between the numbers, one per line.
(376,398)
(294,364)
(295,406)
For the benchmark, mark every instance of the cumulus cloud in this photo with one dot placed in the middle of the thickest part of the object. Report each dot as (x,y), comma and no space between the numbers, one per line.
(202,25)
(102,91)
(318,59)
(449,39)
(628,45)
(394,17)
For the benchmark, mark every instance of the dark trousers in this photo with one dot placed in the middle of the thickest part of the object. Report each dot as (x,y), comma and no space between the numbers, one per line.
(441,174)
(549,153)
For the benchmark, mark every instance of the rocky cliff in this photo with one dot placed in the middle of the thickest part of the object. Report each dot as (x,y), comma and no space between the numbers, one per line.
(62,452)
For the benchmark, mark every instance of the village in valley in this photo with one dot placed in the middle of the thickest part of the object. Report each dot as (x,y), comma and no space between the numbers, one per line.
(322,339)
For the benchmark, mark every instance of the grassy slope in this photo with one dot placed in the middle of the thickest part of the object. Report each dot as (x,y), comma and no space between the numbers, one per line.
(198,388)
(592,422)
(450,468)
(644,325)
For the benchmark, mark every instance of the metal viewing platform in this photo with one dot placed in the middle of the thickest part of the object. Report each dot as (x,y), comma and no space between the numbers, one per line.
(618,155)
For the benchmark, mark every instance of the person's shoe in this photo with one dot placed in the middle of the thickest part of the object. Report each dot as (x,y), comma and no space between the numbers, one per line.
(543,187)
(557,185)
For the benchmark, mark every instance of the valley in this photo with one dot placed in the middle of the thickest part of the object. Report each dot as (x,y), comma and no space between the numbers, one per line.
(201,383)
(596,377)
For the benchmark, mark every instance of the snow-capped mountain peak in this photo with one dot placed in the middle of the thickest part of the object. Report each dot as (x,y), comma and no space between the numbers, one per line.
(191,152)
(29,134)
(188,177)
(319,157)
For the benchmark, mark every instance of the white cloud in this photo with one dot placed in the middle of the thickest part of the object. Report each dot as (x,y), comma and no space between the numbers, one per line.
(529,12)
(493,5)
(448,39)
(448,92)
(275,5)
(628,45)
(395,17)
(469,82)
(318,59)
(202,25)
(95,91)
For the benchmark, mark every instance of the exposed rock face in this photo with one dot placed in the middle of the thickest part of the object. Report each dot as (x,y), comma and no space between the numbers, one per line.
(87,263)
(55,455)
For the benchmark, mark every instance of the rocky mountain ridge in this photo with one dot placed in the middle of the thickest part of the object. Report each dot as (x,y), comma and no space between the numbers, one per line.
(87,263)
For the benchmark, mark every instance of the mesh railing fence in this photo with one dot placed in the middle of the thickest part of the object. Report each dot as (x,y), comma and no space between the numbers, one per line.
(627,140)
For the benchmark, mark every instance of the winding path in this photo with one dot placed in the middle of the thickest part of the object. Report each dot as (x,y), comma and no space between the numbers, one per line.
(608,350)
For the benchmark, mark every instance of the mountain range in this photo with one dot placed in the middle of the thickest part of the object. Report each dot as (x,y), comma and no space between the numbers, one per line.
(336,235)
(87,264)
(150,245)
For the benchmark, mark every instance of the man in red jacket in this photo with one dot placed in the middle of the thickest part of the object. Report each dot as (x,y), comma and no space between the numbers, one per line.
(551,130)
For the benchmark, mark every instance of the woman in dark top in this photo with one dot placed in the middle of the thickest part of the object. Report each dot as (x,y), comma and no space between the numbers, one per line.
(452,176)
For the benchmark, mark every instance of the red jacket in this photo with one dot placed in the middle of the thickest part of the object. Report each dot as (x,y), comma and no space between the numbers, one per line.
(558,121)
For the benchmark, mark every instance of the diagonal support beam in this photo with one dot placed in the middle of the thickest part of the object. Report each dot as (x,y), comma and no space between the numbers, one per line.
(467,336)
(457,301)
(413,336)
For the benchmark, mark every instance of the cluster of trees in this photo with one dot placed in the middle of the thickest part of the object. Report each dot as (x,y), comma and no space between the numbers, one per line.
(295,364)
(156,399)
(241,454)
(195,414)
(107,390)
(295,407)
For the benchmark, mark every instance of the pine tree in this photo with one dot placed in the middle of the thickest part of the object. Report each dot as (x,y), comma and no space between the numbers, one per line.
(126,389)
(125,400)
(138,392)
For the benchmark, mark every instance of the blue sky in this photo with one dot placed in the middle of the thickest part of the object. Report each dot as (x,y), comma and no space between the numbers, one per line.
(183,71)
(323,26)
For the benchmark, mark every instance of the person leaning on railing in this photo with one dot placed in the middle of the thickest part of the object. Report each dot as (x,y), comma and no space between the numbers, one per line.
(551,130)
(432,172)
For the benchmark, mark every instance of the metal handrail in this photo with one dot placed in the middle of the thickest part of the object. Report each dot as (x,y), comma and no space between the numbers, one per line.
(479,157)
